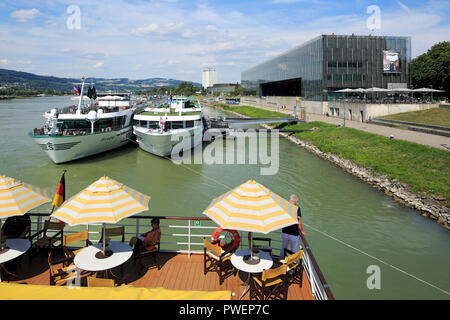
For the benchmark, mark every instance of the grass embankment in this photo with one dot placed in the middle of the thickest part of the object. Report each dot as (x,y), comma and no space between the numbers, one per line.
(423,168)
(435,116)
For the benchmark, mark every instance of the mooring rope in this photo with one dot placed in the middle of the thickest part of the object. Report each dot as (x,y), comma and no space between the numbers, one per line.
(335,239)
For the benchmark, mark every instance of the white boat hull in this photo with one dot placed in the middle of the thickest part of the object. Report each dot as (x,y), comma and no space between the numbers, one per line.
(162,144)
(68,148)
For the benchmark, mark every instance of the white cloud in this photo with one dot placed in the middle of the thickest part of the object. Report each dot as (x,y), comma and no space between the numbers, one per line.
(24,62)
(24,15)
(98,64)
(145,30)
(210,28)
(4,61)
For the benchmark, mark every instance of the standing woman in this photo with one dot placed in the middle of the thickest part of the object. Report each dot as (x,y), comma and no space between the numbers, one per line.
(290,234)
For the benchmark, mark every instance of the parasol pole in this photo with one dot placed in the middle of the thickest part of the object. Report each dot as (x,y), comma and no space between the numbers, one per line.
(104,238)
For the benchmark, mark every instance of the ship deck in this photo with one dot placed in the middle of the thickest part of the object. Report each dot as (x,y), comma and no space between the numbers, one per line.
(178,272)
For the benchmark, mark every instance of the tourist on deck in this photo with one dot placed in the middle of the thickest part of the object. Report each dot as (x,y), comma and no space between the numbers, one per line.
(147,241)
(290,234)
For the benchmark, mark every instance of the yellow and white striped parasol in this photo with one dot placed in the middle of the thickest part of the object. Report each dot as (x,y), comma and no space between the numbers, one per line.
(252,207)
(17,197)
(104,201)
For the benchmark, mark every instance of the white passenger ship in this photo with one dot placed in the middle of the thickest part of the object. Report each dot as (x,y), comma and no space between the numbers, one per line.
(77,132)
(159,129)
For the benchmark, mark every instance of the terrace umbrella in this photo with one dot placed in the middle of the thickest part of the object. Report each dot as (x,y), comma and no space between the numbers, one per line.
(252,207)
(17,197)
(104,201)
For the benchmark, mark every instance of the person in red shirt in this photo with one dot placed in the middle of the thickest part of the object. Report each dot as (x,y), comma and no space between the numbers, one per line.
(147,241)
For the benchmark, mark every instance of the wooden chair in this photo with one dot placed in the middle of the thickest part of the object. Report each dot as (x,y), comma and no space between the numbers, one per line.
(99,282)
(156,253)
(46,241)
(219,260)
(61,275)
(114,232)
(263,247)
(74,238)
(294,266)
(270,285)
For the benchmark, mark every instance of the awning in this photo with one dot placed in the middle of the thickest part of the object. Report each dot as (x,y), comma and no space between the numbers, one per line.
(11,291)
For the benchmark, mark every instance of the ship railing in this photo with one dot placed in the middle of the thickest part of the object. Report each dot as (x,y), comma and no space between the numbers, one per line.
(184,235)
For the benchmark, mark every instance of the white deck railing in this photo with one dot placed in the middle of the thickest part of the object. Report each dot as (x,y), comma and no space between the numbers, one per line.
(186,237)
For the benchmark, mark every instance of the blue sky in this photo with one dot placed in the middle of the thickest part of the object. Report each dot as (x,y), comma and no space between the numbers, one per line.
(178,39)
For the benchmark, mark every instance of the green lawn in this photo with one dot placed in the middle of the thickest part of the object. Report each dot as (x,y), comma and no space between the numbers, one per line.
(435,116)
(424,168)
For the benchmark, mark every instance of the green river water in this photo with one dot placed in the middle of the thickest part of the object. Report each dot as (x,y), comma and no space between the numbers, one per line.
(350,225)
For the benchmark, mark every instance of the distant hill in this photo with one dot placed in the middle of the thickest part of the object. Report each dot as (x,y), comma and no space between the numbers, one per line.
(33,81)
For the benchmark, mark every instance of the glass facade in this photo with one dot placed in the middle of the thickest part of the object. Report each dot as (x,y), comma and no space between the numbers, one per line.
(332,62)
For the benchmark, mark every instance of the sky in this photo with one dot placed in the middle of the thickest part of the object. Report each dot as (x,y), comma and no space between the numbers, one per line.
(140,39)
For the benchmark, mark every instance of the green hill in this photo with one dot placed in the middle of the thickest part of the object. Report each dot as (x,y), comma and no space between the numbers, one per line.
(37,82)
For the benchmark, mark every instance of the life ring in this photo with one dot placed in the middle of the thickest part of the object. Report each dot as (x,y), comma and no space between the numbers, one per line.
(226,246)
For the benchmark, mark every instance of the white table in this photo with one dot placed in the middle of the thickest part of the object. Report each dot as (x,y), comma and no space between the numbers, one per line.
(86,259)
(237,260)
(17,247)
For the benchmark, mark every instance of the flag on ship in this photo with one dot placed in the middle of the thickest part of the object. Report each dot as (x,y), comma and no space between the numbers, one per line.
(60,195)
(77,90)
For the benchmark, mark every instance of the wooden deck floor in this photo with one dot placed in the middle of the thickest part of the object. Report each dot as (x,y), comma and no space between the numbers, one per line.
(178,272)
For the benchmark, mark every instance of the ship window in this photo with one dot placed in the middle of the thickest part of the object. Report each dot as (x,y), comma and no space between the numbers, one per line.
(153,124)
(190,124)
(177,125)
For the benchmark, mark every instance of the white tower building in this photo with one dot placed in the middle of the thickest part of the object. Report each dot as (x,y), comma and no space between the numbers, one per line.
(209,78)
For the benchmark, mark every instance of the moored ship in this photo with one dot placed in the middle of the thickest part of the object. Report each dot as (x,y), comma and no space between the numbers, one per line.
(77,132)
(159,129)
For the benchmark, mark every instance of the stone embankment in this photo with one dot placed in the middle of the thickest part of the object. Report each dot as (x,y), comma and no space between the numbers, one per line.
(432,207)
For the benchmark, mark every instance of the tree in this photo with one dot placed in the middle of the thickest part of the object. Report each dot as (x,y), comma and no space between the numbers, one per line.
(433,68)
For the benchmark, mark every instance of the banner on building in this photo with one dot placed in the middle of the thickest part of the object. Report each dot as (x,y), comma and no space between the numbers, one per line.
(391,61)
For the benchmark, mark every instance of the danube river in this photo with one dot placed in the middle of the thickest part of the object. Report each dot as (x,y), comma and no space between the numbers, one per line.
(350,226)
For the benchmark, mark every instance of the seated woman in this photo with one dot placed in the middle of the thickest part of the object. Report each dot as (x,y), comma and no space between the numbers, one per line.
(147,241)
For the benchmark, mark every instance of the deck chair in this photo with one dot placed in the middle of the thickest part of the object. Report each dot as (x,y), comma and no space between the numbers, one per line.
(99,282)
(270,285)
(61,275)
(48,242)
(219,260)
(263,247)
(114,232)
(82,236)
(156,253)
(294,266)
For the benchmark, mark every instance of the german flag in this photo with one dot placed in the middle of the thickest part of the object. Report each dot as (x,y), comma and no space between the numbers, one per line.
(60,195)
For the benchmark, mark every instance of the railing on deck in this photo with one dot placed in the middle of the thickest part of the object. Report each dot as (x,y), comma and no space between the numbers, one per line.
(190,235)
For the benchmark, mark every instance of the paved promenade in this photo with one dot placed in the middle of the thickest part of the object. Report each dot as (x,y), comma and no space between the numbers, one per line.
(432,140)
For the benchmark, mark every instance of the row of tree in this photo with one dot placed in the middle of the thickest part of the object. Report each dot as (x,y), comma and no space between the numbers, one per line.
(184,88)
(433,68)
(16,92)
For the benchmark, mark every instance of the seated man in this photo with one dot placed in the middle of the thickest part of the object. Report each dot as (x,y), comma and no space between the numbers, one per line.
(17,226)
(147,241)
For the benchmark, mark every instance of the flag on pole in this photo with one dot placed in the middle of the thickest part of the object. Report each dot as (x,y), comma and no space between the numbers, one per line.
(75,90)
(60,195)
(90,93)
(94,93)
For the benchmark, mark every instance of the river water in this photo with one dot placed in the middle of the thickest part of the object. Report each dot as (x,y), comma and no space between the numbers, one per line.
(350,226)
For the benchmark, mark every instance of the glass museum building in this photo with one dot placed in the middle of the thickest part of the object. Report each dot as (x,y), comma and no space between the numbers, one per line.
(317,68)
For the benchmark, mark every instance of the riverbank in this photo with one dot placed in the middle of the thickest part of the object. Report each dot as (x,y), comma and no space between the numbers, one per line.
(415,175)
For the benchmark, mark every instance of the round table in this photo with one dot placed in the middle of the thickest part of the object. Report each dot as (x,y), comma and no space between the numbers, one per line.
(17,247)
(86,259)
(237,260)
